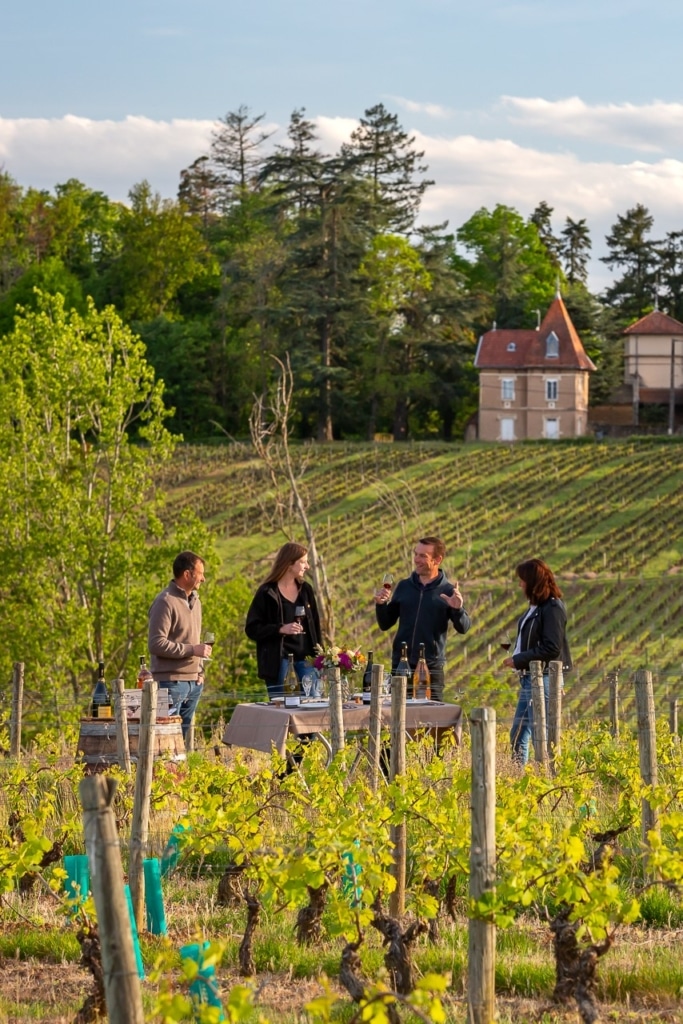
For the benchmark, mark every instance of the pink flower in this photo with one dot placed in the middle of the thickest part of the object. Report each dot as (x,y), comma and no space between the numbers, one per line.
(345,661)
(319,661)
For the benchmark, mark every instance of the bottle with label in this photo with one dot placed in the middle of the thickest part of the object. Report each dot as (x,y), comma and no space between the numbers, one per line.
(100,706)
(403,668)
(367,680)
(422,681)
(291,686)
(143,673)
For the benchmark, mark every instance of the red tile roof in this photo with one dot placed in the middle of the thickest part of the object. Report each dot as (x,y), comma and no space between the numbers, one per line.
(530,346)
(655,323)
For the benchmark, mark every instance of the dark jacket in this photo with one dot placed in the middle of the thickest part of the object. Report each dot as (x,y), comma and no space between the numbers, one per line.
(544,636)
(422,618)
(264,618)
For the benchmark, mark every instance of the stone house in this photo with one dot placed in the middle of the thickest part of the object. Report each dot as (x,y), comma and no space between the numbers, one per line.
(533,383)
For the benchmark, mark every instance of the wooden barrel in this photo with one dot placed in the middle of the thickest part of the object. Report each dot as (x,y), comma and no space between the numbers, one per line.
(97,741)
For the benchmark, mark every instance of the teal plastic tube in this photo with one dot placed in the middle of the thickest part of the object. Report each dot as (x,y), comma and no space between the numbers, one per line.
(204,989)
(134,932)
(77,882)
(154,900)
(171,854)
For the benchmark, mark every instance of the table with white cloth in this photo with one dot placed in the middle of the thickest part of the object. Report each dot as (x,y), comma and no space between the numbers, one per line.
(266,727)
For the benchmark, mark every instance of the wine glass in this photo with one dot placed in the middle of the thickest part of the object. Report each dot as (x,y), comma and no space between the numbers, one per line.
(388,581)
(505,641)
(300,615)
(209,638)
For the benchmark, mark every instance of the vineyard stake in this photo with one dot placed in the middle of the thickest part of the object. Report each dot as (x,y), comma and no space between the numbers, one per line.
(17,710)
(397,900)
(336,713)
(647,748)
(673,717)
(121,716)
(121,981)
(481,957)
(538,705)
(141,802)
(375,725)
(555,710)
(614,703)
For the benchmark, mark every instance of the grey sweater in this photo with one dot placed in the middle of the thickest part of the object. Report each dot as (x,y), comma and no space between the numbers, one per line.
(175,626)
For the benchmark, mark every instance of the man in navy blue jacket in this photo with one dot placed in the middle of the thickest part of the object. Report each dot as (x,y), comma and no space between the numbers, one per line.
(423,605)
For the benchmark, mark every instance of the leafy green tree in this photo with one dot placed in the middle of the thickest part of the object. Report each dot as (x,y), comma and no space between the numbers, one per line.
(198,191)
(82,434)
(51,277)
(511,274)
(670,273)
(236,157)
(162,251)
(635,254)
(13,255)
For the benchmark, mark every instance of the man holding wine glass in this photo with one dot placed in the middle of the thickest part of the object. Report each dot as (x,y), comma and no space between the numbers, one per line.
(174,632)
(423,605)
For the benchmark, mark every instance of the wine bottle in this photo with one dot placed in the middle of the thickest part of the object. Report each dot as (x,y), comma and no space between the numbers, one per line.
(291,686)
(143,672)
(101,698)
(422,680)
(403,668)
(367,680)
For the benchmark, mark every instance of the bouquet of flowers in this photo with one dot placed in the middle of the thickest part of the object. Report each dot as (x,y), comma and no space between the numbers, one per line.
(345,658)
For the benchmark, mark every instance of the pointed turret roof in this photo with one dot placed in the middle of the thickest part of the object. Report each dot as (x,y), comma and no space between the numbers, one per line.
(523,349)
(656,323)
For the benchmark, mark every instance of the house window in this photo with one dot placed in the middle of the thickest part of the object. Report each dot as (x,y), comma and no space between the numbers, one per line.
(512,346)
(552,346)
(551,428)
(507,389)
(507,429)
(551,388)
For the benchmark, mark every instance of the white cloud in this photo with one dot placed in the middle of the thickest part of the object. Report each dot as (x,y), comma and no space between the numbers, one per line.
(435,110)
(649,128)
(107,155)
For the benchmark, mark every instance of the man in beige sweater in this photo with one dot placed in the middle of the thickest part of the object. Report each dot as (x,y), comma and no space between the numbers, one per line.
(174,639)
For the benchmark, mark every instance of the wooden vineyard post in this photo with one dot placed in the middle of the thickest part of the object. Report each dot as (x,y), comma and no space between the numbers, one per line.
(673,717)
(647,747)
(614,703)
(141,802)
(538,705)
(375,726)
(555,709)
(121,981)
(397,900)
(336,713)
(189,742)
(17,710)
(481,958)
(121,716)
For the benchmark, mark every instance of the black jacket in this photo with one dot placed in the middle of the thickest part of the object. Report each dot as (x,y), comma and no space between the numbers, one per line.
(544,636)
(264,618)
(422,618)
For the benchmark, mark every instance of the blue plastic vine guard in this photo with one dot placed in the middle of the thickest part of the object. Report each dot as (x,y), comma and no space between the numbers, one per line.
(77,882)
(170,856)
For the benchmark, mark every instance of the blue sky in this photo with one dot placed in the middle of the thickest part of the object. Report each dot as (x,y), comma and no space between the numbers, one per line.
(578,103)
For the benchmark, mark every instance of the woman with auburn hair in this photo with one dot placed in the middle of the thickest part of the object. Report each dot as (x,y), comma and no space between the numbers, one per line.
(272,621)
(541,636)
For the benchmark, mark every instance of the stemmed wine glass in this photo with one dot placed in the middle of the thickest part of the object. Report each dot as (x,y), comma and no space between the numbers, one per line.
(209,638)
(505,641)
(300,615)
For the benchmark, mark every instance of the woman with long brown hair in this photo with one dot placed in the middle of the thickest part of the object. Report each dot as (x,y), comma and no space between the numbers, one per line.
(541,636)
(274,623)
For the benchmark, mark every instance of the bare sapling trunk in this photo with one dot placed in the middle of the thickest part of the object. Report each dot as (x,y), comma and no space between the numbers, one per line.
(269,429)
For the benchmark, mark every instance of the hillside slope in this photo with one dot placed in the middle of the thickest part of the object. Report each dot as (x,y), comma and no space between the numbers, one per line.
(605,515)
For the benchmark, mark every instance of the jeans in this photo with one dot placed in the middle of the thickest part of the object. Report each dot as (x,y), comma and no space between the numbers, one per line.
(276,688)
(523,722)
(183,695)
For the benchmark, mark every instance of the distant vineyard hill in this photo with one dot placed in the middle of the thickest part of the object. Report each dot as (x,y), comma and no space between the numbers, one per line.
(606,516)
